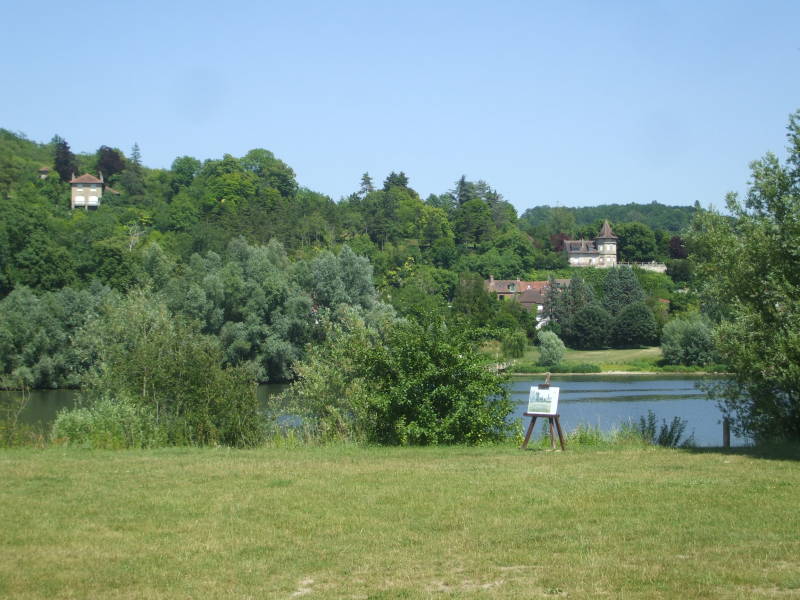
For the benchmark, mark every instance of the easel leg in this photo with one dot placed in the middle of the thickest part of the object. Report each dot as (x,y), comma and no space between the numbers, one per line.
(528,434)
(560,433)
(552,433)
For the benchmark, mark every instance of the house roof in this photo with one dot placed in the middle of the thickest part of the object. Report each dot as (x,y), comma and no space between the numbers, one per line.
(502,285)
(583,246)
(44,170)
(85,178)
(605,231)
(532,296)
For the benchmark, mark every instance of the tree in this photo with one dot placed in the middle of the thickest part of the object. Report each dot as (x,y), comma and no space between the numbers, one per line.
(64,160)
(636,243)
(132,178)
(395,180)
(590,328)
(514,343)
(688,341)
(110,161)
(366,186)
(634,326)
(747,269)
(411,384)
(621,289)
(551,349)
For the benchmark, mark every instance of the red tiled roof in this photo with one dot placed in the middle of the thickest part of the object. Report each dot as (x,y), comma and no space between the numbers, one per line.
(85,178)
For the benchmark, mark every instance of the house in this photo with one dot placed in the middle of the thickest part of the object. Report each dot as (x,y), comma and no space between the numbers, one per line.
(44,172)
(601,252)
(530,294)
(87,190)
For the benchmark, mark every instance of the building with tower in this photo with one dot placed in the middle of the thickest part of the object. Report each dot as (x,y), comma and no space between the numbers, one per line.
(600,252)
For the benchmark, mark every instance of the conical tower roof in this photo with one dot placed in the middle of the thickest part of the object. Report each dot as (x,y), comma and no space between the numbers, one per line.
(605,231)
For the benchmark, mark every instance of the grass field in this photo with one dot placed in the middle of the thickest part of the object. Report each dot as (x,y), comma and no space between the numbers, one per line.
(629,359)
(337,522)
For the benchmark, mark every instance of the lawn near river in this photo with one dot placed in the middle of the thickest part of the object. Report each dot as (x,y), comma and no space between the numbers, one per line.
(348,522)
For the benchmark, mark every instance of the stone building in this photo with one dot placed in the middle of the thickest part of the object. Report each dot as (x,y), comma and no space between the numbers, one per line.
(600,252)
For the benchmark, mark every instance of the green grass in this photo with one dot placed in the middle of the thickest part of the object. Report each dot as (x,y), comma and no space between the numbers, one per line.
(629,359)
(337,522)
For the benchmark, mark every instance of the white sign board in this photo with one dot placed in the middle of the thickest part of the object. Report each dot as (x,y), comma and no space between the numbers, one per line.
(543,401)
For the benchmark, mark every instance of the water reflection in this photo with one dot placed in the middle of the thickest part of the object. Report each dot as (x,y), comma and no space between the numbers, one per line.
(604,401)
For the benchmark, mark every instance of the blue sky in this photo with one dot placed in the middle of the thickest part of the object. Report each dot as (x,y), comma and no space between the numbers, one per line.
(568,103)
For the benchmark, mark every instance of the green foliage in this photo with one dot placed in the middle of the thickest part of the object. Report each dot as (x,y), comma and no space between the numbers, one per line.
(551,349)
(589,328)
(668,435)
(621,289)
(688,341)
(166,367)
(110,424)
(747,274)
(514,343)
(634,326)
(636,243)
(417,383)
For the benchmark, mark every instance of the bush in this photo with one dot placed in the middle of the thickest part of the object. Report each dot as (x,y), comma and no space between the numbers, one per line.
(688,341)
(413,383)
(634,326)
(551,349)
(514,343)
(111,424)
(590,328)
(166,368)
(668,435)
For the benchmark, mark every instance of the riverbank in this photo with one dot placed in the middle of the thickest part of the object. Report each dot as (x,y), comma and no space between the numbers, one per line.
(621,373)
(333,522)
(626,361)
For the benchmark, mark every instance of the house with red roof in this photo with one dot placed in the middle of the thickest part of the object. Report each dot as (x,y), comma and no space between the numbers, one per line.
(87,190)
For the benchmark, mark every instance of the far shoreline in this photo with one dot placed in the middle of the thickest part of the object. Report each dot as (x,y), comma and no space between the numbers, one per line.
(626,373)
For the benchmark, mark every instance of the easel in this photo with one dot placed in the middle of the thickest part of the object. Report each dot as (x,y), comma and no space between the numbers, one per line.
(553,419)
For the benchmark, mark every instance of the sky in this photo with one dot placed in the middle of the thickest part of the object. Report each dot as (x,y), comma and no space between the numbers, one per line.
(560,103)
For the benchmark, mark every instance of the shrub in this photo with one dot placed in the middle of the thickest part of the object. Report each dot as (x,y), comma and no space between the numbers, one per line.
(551,349)
(688,341)
(167,368)
(634,326)
(668,435)
(111,424)
(514,344)
(414,383)
(590,328)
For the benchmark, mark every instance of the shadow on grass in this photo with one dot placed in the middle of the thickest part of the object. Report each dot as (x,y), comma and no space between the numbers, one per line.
(785,451)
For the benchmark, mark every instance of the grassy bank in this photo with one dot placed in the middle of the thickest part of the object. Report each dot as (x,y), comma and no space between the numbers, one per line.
(398,523)
(631,360)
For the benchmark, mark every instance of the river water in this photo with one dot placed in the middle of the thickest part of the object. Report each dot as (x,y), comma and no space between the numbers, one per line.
(605,401)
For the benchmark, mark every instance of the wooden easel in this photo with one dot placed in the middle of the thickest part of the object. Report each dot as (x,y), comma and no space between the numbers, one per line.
(554,421)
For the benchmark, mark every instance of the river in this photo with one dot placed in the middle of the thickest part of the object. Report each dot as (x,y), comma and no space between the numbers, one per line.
(602,400)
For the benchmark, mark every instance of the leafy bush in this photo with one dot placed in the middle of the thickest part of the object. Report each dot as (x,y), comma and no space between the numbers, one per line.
(688,341)
(551,349)
(514,344)
(167,368)
(111,424)
(668,435)
(413,383)
(590,328)
(634,326)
